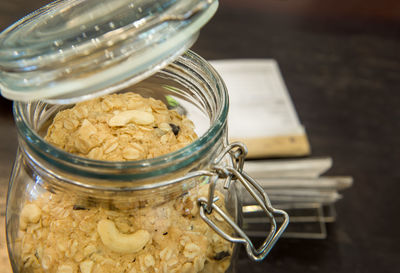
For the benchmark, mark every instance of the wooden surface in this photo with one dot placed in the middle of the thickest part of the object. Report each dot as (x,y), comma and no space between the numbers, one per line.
(341,64)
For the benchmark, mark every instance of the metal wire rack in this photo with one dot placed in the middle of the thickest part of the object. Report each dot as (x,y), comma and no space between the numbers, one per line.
(298,187)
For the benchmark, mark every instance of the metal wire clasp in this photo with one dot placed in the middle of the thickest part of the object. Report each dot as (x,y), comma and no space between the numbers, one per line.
(231,173)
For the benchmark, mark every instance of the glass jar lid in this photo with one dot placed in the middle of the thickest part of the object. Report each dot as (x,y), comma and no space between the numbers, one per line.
(78,49)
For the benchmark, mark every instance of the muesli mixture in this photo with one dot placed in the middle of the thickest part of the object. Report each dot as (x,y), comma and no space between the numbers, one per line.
(62,233)
(120,127)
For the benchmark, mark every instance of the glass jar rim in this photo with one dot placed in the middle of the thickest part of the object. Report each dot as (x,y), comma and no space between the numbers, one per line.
(183,157)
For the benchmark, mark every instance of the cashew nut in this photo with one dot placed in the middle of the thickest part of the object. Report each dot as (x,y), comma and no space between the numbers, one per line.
(137,116)
(29,214)
(119,242)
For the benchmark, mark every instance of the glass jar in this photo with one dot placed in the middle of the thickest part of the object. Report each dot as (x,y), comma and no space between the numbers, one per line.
(174,213)
(56,199)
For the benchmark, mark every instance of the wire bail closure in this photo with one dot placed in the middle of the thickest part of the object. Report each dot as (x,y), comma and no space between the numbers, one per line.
(237,152)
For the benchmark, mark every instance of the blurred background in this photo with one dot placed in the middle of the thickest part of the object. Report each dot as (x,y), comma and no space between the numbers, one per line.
(340,61)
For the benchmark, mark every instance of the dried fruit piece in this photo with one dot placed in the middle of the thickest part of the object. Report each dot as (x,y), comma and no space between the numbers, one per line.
(175,128)
(220,255)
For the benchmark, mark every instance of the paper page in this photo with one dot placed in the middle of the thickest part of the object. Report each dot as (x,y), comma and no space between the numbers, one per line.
(260,105)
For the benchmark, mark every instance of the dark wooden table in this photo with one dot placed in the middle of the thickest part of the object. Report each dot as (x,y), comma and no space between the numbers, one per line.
(341,63)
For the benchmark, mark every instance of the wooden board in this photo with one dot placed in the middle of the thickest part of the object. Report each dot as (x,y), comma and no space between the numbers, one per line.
(283,146)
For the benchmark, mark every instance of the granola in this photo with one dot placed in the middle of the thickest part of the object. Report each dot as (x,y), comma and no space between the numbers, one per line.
(120,127)
(60,236)
(61,233)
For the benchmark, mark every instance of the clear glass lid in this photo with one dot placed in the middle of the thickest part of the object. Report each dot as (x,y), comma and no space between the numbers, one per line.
(78,49)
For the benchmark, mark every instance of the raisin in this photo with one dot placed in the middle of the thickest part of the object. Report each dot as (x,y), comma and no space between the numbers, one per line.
(175,128)
(77,207)
(220,255)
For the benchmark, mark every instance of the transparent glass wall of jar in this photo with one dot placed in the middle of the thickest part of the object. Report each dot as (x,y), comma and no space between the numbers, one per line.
(70,214)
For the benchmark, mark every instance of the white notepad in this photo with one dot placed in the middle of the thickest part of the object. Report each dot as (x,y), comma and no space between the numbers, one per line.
(261,111)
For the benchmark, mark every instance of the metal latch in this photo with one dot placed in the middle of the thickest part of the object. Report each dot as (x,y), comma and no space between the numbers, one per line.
(233,174)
